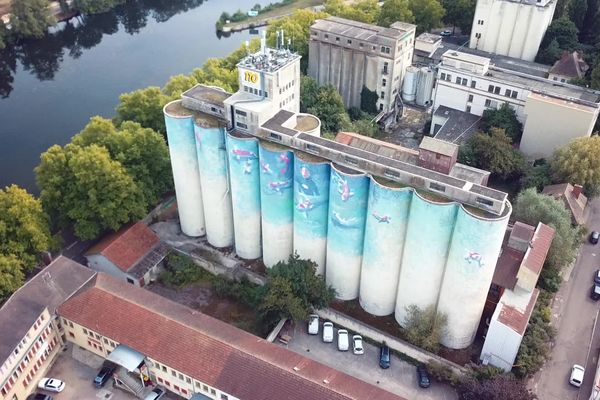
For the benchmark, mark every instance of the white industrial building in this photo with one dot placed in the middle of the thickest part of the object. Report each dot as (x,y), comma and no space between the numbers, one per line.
(512,28)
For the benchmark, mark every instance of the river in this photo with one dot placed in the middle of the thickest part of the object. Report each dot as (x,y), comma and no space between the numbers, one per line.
(50,88)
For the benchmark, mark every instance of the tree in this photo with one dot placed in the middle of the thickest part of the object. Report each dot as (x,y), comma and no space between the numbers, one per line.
(142,152)
(531,208)
(577,12)
(309,90)
(329,108)
(538,176)
(579,162)
(24,227)
(361,10)
(564,32)
(460,13)
(30,18)
(178,84)
(549,54)
(395,10)
(428,14)
(498,388)
(84,187)
(365,127)
(143,106)
(294,290)
(368,100)
(595,76)
(502,118)
(495,153)
(11,275)
(424,328)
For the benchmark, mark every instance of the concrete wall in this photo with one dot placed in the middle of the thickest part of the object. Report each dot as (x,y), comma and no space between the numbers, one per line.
(186,174)
(276,197)
(501,344)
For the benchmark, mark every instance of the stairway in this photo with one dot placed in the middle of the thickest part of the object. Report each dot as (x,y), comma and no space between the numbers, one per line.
(127,382)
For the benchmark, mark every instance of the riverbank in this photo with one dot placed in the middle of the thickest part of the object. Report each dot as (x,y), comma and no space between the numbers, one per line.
(54,7)
(264,18)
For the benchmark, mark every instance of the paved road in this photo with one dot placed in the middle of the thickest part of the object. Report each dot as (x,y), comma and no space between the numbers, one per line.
(575,313)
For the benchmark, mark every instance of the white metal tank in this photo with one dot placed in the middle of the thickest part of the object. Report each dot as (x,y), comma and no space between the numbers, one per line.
(425,86)
(186,174)
(409,86)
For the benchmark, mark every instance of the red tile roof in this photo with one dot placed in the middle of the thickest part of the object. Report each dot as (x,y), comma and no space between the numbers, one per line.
(515,318)
(571,65)
(539,246)
(209,350)
(127,246)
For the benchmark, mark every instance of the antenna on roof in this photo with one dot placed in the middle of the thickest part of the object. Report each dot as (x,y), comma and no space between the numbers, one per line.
(263,42)
(282,39)
(277,39)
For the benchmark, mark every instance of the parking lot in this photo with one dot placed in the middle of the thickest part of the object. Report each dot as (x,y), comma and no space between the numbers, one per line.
(77,368)
(400,378)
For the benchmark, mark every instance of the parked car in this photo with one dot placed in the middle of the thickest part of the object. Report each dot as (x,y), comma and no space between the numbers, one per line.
(40,396)
(594,237)
(597,277)
(576,378)
(446,32)
(343,340)
(357,345)
(423,376)
(52,385)
(384,356)
(328,332)
(595,293)
(313,324)
(155,394)
(104,374)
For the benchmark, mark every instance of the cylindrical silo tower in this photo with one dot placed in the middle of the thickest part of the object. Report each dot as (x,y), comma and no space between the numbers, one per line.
(409,86)
(476,244)
(182,148)
(277,202)
(244,172)
(311,203)
(348,194)
(212,159)
(387,218)
(430,226)
(425,86)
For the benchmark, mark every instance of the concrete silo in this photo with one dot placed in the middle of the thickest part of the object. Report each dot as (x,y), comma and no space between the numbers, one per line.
(212,159)
(409,85)
(475,247)
(242,152)
(277,202)
(428,236)
(387,219)
(186,176)
(348,194)
(425,86)
(311,203)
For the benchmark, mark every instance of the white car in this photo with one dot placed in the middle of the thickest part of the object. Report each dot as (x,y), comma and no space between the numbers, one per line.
(577,373)
(342,340)
(156,393)
(313,324)
(446,32)
(51,385)
(328,332)
(357,345)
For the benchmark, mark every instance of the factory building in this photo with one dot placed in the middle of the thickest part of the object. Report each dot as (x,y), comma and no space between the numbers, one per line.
(513,28)
(351,55)
(373,216)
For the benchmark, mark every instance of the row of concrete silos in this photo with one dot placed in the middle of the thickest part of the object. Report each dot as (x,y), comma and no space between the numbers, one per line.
(373,240)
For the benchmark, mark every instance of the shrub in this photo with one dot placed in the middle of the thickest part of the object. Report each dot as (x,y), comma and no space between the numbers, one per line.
(181,271)
(442,373)
(424,328)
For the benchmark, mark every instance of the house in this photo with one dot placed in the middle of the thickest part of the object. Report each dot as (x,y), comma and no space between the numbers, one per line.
(575,201)
(134,254)
(569,66)
(30,334)
(189,352)
(513,288)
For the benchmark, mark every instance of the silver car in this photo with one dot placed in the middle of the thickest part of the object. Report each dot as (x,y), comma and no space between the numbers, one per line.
(328,332)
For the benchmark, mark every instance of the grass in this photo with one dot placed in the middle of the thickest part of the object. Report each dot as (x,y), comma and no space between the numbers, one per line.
(276,13)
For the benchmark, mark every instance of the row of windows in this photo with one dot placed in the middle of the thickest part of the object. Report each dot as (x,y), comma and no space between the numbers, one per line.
(257,92)
(383,49)
(200,386)
(286,101)
(478,35)
(287,86)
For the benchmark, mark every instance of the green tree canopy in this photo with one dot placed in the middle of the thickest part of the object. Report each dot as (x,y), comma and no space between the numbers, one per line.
(30,18)
(11,275)
(309,90)
(460,13)
(24,226)
(579,163)
(424,328)
(595,76)
(428,14)
(142,152)
(494,153)
(178,84)
(549,54)
(329,108)
(143,106)
(564,32)
(361,10)
(498,388)
(503,118)
(395,10)
(84,187)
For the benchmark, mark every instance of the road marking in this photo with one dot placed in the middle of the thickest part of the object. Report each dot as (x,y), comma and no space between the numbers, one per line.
(72,244)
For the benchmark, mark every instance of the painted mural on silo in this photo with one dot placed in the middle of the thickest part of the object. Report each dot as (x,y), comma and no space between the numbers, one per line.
(476,244)
(428,235)
(186,174)
(212,160)
(348,194)
(244,178)
(385,230)
(311,203)
(277,202)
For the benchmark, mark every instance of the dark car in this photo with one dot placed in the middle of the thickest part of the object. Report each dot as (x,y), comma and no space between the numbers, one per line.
(595,293)
(423,376)
(594,237)
(104,374)
(40,396)
(384,356)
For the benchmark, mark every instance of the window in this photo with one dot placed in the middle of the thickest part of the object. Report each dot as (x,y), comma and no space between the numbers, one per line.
(349,41)
(514,94)
(385,67)
(213,391)
(437,187)
(491,88)
(391,174)
(555,78)
(380,106)
(205,388)
(468,109)
(458,80)
(382,96)
(275,136)
(188,380)
(478,35)
(443,76)
(470,99)
(507,92)
(485,202)
(326,36)
(383,49)
(129,280)
(448,77)
(463,82)
(240,125)
(174,373)
(383,82)
(312,149)
(361,44)
(497,90)
(98,336)
(240,112)
(72,334)
(473,83)
(105,341)
(337,38)
(164,369)
(351,160)
(224,396)
(488,102)
(84,331)
(180,377)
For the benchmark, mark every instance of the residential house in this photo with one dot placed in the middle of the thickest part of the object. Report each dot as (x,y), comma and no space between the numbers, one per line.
(569,66)
(575,201)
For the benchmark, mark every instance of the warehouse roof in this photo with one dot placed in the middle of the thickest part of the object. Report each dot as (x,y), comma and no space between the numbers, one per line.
(206,349)
(360,30)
